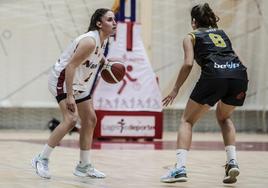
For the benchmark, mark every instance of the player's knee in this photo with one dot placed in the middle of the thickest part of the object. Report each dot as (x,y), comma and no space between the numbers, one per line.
(93,121)
(221,118)
(90,121)
(186,122)
(71,120)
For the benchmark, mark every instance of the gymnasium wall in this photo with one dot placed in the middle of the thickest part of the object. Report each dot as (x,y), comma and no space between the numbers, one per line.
(34,32)
(245,21)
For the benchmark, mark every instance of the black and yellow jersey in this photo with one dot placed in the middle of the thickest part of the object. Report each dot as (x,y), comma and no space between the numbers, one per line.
(214,53)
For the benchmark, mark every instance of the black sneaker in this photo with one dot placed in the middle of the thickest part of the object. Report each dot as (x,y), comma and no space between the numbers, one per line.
(231,172)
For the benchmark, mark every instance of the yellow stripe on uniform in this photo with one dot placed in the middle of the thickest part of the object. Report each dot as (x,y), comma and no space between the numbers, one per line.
(193,37)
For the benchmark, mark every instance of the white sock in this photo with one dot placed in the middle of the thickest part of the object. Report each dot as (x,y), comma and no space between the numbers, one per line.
(84,157)
(181,155)
(230,152)
(46,152)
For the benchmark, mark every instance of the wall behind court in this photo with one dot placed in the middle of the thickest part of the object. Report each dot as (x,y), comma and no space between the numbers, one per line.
(246,23)
(34,32)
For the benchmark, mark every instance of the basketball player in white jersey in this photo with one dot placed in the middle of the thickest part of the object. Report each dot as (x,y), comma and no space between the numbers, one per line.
(71,81)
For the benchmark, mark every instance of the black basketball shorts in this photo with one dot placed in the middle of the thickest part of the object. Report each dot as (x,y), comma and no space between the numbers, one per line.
(229,91)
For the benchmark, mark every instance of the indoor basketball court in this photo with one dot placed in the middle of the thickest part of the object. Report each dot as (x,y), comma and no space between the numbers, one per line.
(131,164)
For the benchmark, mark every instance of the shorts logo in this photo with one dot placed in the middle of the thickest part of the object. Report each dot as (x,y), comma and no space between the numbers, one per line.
(240,96)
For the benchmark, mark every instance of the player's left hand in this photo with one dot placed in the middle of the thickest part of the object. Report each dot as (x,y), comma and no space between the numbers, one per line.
(170,98)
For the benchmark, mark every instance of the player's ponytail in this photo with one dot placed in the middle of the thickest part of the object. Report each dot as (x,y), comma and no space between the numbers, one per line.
(204,16)
(96,17)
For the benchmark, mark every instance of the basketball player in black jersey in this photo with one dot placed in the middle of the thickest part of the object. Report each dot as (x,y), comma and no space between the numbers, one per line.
(223,81)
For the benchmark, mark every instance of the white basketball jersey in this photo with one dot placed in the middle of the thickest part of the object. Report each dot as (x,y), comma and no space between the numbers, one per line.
(86,73)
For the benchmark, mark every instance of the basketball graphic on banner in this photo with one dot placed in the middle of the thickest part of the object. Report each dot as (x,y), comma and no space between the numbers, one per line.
(132,107)
(136,99)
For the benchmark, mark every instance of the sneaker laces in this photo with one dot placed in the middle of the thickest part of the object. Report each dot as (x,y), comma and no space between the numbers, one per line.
(94,172)
(232,161)
(87,167)
(175,170)
(44,163)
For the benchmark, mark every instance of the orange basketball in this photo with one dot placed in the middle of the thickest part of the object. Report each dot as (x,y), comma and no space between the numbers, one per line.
(113,72)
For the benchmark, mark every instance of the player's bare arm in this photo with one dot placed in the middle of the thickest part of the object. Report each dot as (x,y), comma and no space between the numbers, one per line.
(184,71)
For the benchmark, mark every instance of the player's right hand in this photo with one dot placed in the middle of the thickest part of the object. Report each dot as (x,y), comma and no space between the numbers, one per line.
(70,103)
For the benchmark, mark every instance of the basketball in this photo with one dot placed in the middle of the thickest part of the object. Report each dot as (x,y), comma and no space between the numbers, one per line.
(113,72)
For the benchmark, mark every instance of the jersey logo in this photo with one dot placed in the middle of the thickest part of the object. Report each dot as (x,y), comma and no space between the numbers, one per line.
(227,65)
(90,65)
(87,63)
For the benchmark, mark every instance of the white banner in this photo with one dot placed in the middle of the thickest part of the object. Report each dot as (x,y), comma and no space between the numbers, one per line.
(127,146)
(138,91)
(124,125)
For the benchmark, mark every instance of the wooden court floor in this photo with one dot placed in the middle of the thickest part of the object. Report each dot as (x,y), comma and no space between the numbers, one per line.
(130,165)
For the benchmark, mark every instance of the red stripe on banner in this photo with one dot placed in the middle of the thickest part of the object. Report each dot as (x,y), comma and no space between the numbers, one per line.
(129,36)
(60,82)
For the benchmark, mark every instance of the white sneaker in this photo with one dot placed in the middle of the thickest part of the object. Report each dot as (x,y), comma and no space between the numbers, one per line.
(175,175)
(41,167)
(88,171)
